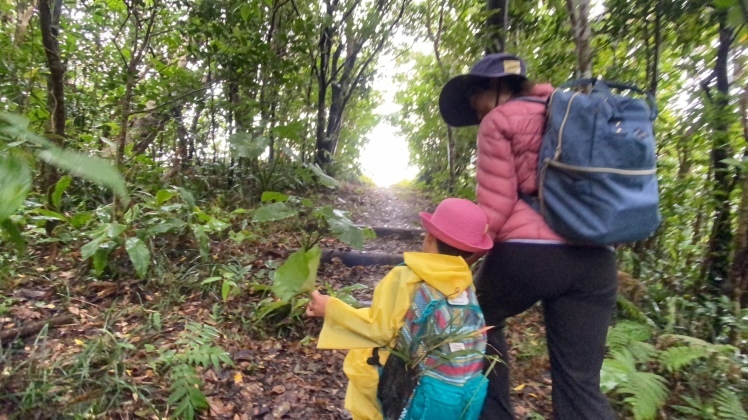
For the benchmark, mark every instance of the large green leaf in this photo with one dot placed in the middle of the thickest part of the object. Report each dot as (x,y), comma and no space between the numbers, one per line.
(247,146)
(17,128)
(343,227)
(11,229)
(273,212)
(166,226)
(274,196)
(139,255)
(322,177)
(203,241)
(114,229)
(60,188)
(93,169)
(290,131)
(15,184)
(51,215)
(101,260)
(163,196)
(298,274)
(187,197)
(90,248)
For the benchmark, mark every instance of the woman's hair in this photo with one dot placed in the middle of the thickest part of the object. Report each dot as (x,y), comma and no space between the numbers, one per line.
(517,85)
(446,249)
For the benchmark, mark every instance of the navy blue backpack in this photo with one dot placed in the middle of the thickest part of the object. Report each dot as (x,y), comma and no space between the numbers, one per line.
(597,180)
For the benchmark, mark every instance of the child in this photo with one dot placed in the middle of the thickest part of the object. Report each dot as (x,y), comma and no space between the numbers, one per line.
(456,230)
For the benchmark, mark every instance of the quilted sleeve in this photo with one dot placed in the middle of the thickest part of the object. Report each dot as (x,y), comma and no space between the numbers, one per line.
(496,174)
(348,328)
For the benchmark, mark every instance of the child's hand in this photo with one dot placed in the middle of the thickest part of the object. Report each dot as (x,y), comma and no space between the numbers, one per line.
(317,304)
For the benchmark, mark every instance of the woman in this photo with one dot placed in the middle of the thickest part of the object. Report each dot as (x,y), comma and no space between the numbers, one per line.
(529,262)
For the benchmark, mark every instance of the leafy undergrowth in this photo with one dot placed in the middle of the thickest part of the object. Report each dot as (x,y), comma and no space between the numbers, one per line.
(195,336)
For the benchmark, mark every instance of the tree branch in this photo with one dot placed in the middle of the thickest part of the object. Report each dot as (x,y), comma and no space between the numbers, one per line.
(165,104)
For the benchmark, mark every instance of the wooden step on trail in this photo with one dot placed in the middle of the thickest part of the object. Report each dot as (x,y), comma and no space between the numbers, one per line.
(402,233)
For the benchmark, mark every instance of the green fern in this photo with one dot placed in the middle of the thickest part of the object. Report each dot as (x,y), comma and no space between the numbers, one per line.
(631,337)
(697,342)
(632,312)
(185,394)
(196,348)
(648,392)
(675,358)
(644,392)
(625,332)
(696,408)
(729,406)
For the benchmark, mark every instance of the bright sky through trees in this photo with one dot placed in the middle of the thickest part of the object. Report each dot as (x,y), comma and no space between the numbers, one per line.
(385,157)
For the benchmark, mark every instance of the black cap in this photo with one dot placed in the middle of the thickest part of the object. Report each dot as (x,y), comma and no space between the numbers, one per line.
(454,102)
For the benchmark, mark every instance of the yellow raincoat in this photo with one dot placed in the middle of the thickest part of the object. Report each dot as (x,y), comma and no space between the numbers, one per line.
(361,330)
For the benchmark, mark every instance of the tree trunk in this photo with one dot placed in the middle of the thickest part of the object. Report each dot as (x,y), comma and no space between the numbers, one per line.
(140,41)
(182,160)
(739,268)
(497,22)
(655,73)
(717,260)
(24,13)
(49,22)
(325,48)
(451,158)
(344,79)
(579,11)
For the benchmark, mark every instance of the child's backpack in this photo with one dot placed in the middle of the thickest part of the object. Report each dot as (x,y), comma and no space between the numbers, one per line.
(435,371)
(597,181)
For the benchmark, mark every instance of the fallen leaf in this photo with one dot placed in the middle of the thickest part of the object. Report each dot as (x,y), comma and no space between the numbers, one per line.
(242,355)
(279,389)
(218,408)
(238,378)
(32,294)
(25,313)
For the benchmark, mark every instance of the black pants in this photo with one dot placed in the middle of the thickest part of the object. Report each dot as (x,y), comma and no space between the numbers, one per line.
(577,286)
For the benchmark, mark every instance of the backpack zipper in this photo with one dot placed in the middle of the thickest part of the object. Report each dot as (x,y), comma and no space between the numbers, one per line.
(557,155)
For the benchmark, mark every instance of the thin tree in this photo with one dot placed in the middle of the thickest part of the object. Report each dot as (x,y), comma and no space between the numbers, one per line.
(497,24)
(49,22)
(579,12)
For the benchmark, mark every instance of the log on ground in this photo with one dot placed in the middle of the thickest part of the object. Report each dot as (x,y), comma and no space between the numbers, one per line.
(352,259)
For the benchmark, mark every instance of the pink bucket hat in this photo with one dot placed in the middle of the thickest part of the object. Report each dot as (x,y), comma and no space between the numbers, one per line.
(460,223)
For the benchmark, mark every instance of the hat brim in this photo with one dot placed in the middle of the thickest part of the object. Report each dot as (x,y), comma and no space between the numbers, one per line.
(454,102)
(485,244)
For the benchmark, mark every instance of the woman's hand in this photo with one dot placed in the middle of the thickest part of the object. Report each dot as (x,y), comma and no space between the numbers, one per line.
(317,304)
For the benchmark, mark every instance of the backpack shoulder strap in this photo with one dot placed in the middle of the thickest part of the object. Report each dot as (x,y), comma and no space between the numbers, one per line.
(530,99)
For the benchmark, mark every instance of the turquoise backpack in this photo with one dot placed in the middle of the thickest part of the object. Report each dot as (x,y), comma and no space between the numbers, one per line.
(435,371)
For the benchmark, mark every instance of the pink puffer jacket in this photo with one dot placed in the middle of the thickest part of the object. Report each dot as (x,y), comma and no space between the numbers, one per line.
(508,143)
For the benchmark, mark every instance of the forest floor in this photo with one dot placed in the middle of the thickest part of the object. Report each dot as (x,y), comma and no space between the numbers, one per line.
(114,336)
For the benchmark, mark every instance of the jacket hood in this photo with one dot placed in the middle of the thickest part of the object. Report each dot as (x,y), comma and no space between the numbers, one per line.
(448,274)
